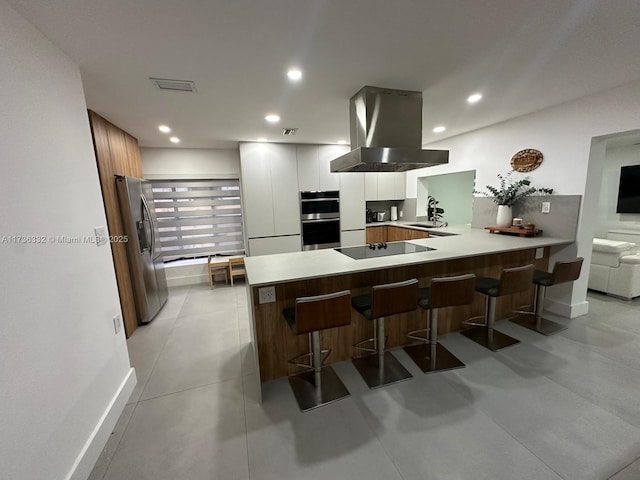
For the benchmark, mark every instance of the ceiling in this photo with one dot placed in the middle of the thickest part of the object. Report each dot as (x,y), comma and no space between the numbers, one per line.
(522,55)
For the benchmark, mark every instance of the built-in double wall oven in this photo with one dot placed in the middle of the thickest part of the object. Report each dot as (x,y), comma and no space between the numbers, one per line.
(320,219)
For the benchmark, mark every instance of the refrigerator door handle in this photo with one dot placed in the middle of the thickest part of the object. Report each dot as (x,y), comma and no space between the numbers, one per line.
(152,247)
(142,236)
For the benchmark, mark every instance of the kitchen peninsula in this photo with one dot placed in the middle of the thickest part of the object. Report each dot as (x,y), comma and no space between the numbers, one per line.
(323,271)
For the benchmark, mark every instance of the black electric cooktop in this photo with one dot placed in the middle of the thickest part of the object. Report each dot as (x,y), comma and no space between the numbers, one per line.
(375,250)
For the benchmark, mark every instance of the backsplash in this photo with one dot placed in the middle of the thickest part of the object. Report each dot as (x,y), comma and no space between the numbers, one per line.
(385,206)
(561,221)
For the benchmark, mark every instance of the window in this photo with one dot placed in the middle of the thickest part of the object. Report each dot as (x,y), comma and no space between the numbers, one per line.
(197,218)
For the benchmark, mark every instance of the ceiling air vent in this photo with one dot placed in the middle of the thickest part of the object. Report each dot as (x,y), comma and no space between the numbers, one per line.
(175,85)
(289,131)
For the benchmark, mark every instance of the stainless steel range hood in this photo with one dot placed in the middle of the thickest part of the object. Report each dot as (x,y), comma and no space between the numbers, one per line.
(386,133)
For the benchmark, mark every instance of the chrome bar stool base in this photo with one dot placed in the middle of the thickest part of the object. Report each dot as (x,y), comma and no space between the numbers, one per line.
(543,326)
(493,340)
(378,371)
(315,389)
(433,358)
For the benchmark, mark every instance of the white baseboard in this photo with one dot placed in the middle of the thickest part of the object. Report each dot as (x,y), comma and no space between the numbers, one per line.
(567,310)
(187,280)
(92,449)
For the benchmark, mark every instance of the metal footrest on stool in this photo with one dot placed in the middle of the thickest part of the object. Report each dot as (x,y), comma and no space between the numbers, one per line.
(315,389)
(379,371)
(493,340)
(433,358)
(544,326)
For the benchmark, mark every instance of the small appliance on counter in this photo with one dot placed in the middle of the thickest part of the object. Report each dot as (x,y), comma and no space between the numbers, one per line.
(380,216)
(371,216)
(394,213)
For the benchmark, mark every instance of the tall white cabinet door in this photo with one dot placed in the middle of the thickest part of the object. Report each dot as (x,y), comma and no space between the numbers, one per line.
(257,193)
(352,203)
(308,168)
(371,186)
(284,186)
(326,153)
(386,186)
(400,185)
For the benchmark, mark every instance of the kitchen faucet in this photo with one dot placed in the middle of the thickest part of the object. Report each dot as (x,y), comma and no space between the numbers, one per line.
(434,213)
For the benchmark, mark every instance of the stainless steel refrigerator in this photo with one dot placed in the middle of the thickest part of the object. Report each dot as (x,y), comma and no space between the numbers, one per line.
(143,246)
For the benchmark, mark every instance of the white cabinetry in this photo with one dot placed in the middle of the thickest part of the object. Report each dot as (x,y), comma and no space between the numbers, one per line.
(371,186)
(326,153)
(314,173)
(385,186)
(270,200)
(271,245)
(308,168)
(352,202)
(351,238)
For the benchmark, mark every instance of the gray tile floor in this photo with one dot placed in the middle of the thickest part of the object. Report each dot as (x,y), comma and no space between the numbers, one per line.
(566,406)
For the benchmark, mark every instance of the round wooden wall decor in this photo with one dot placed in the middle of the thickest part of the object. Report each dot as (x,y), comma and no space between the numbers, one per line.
(526,160)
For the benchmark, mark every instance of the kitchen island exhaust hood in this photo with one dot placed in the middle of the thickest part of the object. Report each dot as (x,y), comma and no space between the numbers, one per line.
(386,133)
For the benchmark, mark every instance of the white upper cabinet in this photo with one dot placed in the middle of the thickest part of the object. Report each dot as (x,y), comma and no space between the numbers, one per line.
(270,189)
(326,153)
(352,203)
(314,172)
(400,186)
(385,186)
(308,168)
(371,186)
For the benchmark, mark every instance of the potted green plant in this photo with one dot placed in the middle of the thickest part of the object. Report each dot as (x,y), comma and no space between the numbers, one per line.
(509,192)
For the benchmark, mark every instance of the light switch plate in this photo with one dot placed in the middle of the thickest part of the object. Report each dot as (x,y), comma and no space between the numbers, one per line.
(539,253)
(546,207)
(267,294)
(117,323)
(101,235)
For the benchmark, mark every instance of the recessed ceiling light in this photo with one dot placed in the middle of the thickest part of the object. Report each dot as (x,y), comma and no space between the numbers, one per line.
(294,74)
(342,142)
(439,129)
(174,140)
(261,139)
(164,129)
(476,97)
(271,118)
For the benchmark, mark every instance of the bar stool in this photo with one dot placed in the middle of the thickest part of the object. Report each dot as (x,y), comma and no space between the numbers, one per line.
(319,384)
(565,271)
(431,356)
(512,280)
(380,367)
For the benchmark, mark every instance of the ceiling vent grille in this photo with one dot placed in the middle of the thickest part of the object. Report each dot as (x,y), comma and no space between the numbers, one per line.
(289,131)
(175,85)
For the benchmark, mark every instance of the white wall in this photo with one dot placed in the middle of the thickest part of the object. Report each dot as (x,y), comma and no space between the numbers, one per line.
(189,163)
(64,373)
(571,165)
(607,218)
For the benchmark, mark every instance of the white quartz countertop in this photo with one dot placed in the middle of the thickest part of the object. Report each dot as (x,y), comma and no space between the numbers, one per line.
(470,242)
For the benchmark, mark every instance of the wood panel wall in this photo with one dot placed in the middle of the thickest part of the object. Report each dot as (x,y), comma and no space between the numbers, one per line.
(117,153)
(277,343)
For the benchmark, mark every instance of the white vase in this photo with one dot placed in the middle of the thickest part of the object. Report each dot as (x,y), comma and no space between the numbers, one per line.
(505,216)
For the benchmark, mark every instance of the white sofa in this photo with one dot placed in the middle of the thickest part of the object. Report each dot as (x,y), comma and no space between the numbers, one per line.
(615,268)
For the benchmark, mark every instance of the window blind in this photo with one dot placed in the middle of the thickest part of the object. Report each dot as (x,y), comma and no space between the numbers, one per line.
(198,217)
